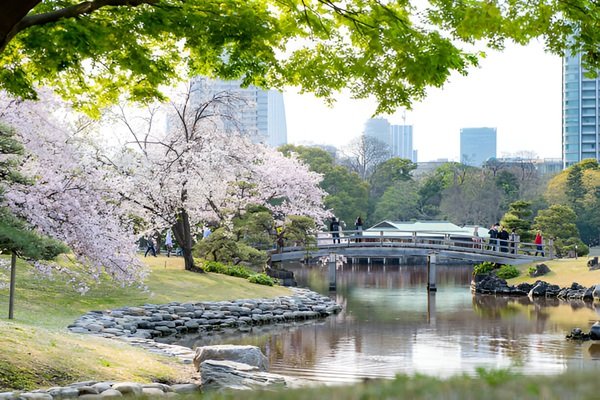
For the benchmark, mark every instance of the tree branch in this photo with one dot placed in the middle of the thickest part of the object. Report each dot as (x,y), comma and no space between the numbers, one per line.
(86,7)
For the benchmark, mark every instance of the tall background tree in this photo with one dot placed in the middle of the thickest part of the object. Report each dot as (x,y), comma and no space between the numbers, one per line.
(201,170)
(364,154)
(347,194)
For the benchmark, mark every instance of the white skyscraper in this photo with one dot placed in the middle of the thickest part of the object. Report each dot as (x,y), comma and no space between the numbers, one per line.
(399,138)
(402,142)
(260,114)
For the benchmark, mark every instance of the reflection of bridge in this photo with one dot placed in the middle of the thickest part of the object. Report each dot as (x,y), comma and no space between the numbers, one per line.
(381,245)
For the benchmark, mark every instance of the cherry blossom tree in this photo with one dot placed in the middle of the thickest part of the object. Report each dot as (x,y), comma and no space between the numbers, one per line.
(71,198)
(200,168)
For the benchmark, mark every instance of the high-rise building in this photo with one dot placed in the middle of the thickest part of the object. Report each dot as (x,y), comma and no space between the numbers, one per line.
(580,117)
(378,128)
(259,113)
(402,142)
(399,138)
(477,145)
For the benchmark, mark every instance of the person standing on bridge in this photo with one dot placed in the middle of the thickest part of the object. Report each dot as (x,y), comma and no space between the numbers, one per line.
(493,232)
(334,227)
(514,241)
(503,237)
(476,239)
(358,225)
(539,243)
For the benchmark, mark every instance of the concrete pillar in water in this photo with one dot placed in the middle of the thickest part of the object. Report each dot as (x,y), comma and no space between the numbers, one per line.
(431,262)
(431,307)
(331,265)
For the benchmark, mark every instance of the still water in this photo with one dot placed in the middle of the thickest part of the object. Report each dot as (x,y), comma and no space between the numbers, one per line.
(390,324)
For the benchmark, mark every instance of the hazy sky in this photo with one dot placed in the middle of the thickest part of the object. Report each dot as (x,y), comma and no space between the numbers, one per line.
(517,91)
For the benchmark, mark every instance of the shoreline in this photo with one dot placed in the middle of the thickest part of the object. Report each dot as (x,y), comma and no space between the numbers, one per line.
(122,324)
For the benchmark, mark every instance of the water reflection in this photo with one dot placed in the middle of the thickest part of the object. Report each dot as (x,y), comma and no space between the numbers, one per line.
(391,324)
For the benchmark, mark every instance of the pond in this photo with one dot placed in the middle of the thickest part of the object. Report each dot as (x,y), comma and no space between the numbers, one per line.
(391,324)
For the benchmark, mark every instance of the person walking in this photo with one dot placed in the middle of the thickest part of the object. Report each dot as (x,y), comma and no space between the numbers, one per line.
(334,227)
(539,243)
(150,247)
(358,226)
(169,243)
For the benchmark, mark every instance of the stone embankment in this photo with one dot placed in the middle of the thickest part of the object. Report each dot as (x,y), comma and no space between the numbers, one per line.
(491,284)
(139,326)
(92,390)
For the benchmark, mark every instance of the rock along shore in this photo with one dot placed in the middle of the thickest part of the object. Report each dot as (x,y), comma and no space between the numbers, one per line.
(491,284)
(139,326)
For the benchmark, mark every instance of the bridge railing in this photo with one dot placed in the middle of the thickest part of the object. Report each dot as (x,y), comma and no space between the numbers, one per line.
(428,239)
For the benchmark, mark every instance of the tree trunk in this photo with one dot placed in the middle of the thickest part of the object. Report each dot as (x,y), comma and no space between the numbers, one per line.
(13,273)
(12,13)
(158,240)
(183,235)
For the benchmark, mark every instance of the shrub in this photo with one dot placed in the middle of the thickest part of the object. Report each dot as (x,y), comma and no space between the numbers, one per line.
(214,266)
(484,268)
(261,279)
(231,270)
(507,272)
(531,270)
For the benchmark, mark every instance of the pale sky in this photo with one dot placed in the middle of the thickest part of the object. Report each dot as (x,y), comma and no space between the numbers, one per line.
(518,91)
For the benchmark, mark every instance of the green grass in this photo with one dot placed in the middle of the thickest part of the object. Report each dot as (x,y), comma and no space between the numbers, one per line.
(489,385)
(37,351)
(55,304)
(563,273)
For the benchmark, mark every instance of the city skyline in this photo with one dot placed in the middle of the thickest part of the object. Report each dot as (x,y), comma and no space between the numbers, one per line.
(518,91)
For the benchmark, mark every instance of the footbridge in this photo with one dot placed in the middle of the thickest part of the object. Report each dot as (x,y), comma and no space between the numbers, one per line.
(385,247)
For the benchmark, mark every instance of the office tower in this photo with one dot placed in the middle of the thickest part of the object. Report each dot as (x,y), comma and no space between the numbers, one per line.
(378,128)
(477,145)
(258,113)
(580,118)
(402,142)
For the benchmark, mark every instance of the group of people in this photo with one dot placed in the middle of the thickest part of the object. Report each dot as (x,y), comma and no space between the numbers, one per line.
(150,248)
(334,228)
(503,241)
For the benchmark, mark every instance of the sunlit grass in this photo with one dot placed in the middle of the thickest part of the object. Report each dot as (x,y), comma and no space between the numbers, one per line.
(563,273)
(36,349)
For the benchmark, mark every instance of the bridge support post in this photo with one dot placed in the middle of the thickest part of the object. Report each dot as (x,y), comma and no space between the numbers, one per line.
(431,307)
(331,265)
(431,263)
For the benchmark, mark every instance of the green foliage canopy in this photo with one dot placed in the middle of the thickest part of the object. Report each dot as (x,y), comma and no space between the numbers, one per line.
(95,50)
(347,194)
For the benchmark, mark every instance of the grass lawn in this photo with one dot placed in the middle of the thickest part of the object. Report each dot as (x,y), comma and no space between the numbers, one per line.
(563,273)
(37,351)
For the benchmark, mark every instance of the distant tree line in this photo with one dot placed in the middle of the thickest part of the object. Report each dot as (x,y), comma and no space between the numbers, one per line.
(365,182)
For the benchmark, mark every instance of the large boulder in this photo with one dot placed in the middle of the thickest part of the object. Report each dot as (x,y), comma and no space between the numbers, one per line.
(250,355)
(596,292)
(539,289)
(595,331)
(539,270)
(231,375)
